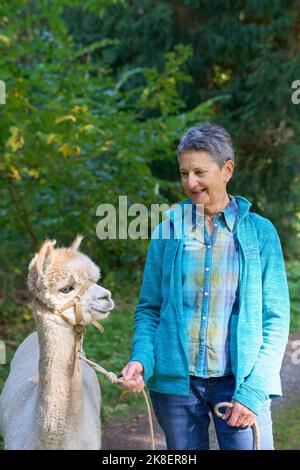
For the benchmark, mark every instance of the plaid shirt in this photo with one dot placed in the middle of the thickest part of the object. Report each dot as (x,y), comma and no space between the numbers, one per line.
(210,271)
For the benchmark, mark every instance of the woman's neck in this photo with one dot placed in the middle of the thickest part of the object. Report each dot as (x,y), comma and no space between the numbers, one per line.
(210,211)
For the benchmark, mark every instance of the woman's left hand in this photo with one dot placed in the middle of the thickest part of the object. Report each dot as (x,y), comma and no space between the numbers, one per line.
(239,415)
(133,376)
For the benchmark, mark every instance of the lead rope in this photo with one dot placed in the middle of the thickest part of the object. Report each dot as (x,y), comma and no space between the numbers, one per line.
(254,427)
(113,378)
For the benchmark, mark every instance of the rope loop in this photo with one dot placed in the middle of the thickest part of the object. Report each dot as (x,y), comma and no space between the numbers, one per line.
(112,377)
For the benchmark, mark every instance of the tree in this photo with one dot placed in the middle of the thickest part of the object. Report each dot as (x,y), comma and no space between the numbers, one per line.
(248,50)
(74,137)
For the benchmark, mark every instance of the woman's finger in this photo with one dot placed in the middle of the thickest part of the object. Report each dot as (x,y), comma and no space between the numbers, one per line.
(234,418)
(129,372)
(133,368)
(227,413)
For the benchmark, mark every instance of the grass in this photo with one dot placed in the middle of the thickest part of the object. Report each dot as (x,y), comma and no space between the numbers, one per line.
(293,274)
(112,349)
(286,425)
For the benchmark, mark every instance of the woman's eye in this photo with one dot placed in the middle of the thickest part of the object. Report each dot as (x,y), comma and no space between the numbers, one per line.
(66,290)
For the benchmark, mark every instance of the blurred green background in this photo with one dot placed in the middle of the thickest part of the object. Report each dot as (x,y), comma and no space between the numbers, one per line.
(97,95)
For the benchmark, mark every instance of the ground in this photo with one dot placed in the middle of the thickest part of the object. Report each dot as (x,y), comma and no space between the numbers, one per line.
(135,434)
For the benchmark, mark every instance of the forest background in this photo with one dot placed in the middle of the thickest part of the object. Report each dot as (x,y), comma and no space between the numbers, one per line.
(98,94)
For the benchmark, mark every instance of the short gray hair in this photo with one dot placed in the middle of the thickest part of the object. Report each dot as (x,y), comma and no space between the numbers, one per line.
(209,137)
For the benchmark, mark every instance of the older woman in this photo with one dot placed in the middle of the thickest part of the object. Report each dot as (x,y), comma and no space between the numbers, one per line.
(213,315)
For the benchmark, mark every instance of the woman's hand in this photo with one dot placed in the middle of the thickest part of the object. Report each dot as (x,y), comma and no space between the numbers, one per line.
(133,376)
(239,415)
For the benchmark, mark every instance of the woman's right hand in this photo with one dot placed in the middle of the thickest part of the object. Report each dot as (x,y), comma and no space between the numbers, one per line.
(133,376)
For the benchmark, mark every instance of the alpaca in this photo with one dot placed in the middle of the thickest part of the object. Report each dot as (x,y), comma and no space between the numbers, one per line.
(50,400)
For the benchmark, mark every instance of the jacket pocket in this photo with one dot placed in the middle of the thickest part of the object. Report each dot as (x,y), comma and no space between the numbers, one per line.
(168,355)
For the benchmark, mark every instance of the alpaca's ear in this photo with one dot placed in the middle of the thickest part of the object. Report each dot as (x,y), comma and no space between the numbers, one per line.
(76,243)
(45,256)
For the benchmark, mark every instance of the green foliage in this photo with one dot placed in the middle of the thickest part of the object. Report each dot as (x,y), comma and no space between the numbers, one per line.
(89,119)
(161,91)
(98,93)
(246,50)
(96,103)
(73,137)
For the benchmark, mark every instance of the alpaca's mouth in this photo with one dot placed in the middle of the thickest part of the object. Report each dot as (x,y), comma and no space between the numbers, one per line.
(106,308)
(100,315)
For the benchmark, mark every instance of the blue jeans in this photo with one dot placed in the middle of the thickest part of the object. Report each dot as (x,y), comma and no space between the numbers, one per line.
(185,419)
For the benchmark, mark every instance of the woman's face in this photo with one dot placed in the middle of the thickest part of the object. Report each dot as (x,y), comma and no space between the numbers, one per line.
(202,179)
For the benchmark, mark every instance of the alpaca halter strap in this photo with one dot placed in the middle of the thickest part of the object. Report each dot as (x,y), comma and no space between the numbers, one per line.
(79,328)
(75,302)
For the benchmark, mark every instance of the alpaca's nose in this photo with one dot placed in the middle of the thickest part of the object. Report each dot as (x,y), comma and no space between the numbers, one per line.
(106,295)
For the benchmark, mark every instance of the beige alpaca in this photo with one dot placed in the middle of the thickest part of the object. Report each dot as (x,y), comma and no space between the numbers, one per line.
(48,402)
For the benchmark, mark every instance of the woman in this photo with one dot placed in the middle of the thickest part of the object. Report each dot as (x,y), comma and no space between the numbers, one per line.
(213,315)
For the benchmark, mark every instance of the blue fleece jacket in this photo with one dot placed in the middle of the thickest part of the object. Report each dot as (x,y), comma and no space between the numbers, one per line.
(259,330)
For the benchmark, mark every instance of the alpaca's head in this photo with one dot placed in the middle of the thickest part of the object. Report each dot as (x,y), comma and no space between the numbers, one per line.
(57,274)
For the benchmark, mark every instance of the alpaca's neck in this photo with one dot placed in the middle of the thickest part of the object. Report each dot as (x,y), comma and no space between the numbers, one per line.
(60,385)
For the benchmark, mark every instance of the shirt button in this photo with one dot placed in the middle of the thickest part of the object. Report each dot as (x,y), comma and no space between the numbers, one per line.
(215,225)
(208,246)
(203,318)
(206,294)
(206,269)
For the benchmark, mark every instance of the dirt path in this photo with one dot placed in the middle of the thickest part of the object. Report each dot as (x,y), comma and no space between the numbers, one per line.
(135,434)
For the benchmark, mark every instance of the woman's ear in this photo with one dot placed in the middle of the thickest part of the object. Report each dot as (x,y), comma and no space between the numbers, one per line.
(228,170)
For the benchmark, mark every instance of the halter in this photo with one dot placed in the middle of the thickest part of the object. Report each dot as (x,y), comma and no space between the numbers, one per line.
(79,328)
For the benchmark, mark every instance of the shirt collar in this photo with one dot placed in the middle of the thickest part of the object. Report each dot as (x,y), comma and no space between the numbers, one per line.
(238,208)
(230,213)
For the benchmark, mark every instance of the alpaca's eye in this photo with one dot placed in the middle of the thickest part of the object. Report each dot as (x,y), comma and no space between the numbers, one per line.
(66,290)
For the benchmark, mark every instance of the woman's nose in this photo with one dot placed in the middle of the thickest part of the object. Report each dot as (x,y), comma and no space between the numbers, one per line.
(192,181)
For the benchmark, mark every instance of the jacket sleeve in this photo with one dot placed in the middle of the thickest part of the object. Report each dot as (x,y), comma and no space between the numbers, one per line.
(147,312)
(275,318)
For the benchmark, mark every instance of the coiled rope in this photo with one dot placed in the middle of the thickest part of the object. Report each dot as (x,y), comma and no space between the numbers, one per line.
(254,427)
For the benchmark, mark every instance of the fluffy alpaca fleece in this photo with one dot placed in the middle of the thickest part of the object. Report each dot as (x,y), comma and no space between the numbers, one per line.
(46,402)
